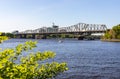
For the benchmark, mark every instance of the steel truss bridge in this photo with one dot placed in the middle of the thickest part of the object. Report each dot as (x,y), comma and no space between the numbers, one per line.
(80,28)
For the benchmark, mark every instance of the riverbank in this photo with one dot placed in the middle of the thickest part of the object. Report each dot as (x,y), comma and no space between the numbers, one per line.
(111,40)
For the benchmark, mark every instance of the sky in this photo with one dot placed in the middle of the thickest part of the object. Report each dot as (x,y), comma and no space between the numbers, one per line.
(32,14)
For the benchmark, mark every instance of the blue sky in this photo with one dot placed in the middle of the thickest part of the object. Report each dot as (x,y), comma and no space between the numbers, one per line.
(32,14)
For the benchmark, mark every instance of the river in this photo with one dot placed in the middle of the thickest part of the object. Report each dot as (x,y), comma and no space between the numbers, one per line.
(86,59)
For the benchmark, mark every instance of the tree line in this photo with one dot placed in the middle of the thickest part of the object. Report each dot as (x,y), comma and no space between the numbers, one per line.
(113,33)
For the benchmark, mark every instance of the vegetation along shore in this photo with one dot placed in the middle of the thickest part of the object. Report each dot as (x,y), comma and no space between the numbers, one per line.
(112,35)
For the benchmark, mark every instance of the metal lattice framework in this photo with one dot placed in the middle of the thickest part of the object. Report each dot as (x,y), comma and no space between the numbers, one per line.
(80,27)
(85,27)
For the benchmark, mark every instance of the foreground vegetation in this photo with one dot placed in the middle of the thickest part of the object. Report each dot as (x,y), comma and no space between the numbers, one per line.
(113,34)
(29,67)
(2,38)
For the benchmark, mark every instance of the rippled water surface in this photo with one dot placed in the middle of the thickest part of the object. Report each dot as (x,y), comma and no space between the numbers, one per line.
(86,59)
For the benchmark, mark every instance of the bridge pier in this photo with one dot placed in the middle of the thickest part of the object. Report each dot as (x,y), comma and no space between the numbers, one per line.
(33,36)
(81,37)
(44,37)
(23,36)
(27,36)
(36,36)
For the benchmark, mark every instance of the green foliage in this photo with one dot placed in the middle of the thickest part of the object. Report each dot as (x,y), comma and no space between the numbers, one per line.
(114,33)
(10,35)
(116,29)
(118,36)
(63,36)
(2,38)
(107,35)
(30,66)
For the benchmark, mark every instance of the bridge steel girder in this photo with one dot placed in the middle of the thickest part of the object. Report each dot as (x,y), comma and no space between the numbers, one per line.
(79,28)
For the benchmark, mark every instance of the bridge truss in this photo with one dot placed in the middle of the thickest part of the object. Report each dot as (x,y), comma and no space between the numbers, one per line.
(80,27)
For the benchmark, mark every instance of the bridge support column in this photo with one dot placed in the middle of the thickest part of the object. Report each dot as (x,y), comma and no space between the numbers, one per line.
(81,37)
(20,36)
(17,36)
(44,36)
(33,36)
(23,36)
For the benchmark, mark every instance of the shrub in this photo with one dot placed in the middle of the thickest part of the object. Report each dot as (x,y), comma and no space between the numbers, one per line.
(29,67)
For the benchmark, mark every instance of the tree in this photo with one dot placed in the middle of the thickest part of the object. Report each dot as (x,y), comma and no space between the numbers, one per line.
(2,38)
(116,29)
(114,33)
(107,35)
(29,67)
(10,35)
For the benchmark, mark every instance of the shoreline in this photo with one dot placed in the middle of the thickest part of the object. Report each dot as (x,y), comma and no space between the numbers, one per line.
(110,40)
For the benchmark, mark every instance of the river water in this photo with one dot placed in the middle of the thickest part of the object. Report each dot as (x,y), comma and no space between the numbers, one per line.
(86,59)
